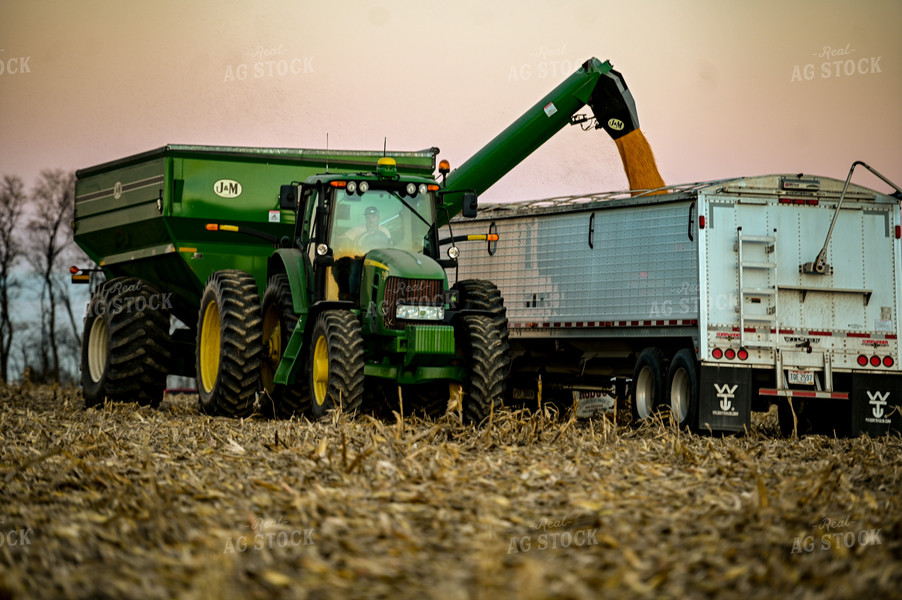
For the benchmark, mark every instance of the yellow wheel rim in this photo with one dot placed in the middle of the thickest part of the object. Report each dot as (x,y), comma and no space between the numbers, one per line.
(320,370)
(272,336)
(209,347)
(97,349)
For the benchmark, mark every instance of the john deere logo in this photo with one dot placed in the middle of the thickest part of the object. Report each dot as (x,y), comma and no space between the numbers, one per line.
(615,124)
(227,188)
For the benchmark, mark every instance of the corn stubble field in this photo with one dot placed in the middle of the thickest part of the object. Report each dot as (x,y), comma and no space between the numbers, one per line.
(133,502)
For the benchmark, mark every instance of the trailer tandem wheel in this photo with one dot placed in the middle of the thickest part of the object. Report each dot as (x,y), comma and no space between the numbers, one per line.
(125,344)
(229,344)
(682,383)
(336,363)
(279,320)
(648,384)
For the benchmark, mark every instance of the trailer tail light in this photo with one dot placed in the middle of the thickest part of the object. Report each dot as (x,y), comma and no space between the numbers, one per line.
(701,221)
(811,202)
(862,361)
(743,354)
(730,354)
(888,361)
(785,201)
(875,361)
(898,231)
(717,353)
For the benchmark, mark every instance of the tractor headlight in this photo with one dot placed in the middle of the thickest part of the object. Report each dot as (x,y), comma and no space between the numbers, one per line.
(419,313)
(411,189)
(352,187)
(363,186)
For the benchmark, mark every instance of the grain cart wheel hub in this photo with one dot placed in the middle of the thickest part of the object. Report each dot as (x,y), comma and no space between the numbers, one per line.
(209,346)
(98,348)
(272,336)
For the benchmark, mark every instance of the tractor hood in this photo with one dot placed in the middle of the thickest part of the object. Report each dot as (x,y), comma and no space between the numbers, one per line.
(401,263)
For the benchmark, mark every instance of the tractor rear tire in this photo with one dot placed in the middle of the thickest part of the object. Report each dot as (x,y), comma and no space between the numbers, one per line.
(125,344)
(279,320)
(229,345)
(485,353)
(336,363)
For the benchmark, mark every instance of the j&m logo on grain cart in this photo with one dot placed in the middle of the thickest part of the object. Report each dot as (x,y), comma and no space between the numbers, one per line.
(227,188)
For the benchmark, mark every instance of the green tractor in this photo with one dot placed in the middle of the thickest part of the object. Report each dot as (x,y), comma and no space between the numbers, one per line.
(356,306)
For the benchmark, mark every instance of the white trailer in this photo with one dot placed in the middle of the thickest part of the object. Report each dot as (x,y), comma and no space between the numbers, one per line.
(714,299)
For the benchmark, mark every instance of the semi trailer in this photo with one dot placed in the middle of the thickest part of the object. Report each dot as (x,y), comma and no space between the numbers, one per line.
(712,300)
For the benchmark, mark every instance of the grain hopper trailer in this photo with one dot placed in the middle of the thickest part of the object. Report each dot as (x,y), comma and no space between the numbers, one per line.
(202,234)
(714,299)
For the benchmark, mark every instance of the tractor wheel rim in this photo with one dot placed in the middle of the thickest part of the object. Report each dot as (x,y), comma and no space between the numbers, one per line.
(209,346)
(97,349)
(645,393)
(272,334)
(320,370)
(679,395)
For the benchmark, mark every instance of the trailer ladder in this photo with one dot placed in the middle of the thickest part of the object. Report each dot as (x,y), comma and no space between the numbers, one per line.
(770,316)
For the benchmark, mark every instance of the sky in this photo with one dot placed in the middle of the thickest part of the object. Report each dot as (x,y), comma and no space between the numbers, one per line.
(723,88)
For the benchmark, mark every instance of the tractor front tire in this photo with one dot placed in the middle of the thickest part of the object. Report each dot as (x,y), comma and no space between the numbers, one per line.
(229,345)
(125,344)
(485,352)
(336,363)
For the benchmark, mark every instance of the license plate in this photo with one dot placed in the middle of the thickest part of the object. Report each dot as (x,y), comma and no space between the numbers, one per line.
(801,377)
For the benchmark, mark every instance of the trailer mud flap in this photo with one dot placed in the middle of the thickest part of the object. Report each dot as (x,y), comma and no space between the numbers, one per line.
(876,404)
(725,399)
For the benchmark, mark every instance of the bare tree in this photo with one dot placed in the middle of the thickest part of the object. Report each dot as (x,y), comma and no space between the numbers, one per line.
(12,203)
(54,196)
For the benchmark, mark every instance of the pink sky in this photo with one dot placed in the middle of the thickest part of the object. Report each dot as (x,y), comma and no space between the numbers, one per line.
(723,88)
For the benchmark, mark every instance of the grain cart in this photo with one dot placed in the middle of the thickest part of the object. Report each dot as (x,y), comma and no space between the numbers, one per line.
(714,299)
(143,221)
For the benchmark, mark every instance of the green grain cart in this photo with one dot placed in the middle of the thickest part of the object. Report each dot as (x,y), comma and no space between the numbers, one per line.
(299,279)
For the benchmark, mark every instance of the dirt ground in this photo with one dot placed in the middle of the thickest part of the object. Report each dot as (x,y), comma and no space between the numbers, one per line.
(128,502)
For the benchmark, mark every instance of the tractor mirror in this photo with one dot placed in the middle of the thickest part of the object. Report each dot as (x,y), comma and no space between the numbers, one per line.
(469,205)
(288,197)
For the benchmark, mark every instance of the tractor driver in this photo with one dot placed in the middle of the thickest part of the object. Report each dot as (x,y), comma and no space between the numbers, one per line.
(371,234)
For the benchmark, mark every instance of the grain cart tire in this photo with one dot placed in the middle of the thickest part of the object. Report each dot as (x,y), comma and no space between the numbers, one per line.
(279,320)
(682,384)
(229,344)
(485,352)
(336,363)
(125,344)
(480,294)
(648,384)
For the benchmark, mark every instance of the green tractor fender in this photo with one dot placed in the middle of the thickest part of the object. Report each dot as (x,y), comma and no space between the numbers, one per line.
(293,263)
